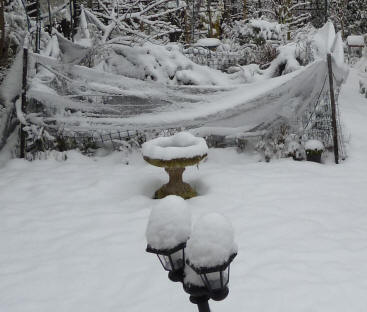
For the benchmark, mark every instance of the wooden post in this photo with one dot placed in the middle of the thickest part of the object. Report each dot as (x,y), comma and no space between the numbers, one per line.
(245,9)
(24,97)
(49,16)
(333,109)
(210,32)
(326,11)
(187,27)
(193,22)
(3,54)
(71,20)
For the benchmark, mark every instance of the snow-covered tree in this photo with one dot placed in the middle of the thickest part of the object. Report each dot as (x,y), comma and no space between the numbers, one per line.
(349,16)
(128,21)
(286,12)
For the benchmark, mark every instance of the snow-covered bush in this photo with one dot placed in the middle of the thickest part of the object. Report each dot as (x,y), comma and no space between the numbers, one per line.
(363,87)
(281,142)
(256,39)
(286,61)
(255,31)
(15,25)
(164,64)
(294,148)
(262,41)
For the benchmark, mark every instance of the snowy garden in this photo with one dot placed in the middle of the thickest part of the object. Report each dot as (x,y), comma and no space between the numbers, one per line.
(226,138)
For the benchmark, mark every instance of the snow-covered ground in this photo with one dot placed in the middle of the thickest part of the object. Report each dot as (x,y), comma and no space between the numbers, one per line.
(72,234)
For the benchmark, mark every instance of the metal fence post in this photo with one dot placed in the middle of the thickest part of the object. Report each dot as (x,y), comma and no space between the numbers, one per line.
(24,96)
(333,109)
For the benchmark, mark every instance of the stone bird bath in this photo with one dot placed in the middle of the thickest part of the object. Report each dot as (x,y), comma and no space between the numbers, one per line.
(174,153)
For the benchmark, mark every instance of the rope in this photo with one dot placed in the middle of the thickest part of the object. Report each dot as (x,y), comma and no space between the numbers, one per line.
(316,103)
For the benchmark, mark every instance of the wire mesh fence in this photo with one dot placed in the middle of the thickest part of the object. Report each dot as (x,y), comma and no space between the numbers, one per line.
(220,60)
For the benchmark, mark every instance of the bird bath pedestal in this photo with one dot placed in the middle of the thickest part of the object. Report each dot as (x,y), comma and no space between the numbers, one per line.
(175,169)
(174,154)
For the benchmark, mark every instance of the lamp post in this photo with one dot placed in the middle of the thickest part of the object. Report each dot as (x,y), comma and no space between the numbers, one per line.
(201,263)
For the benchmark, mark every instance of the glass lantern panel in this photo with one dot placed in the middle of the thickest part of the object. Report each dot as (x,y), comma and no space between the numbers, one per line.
(213,280)
(165,262)
(225,275)
(178,259)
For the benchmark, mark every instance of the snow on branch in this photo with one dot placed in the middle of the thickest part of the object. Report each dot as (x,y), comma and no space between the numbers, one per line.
(139,20)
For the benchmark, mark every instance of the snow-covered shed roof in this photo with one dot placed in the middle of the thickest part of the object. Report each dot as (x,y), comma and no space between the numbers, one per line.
(355,41)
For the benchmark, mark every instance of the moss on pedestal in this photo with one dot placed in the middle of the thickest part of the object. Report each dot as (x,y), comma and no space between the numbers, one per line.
(185,191)
(175,169)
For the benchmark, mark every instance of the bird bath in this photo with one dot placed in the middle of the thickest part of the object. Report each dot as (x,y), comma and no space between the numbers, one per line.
(174,154)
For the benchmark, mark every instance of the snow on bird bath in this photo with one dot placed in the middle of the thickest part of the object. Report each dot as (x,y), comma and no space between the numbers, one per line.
(211,242)
(180,145)
(169,223)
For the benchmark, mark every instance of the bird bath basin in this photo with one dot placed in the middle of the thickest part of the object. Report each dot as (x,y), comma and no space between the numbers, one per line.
(174,154)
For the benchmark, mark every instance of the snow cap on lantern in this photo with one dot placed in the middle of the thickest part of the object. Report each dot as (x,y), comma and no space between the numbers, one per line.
(210,250)
(211,242)
(168,230)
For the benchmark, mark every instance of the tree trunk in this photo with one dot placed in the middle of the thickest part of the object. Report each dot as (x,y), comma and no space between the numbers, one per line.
(2,29)
(244,9)
(210,35)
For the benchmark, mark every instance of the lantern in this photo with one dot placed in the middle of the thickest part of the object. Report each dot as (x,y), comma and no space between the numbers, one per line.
(168,230)
(215,278)
(172,260)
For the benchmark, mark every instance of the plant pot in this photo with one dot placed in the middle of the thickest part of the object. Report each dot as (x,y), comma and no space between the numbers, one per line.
(314,155)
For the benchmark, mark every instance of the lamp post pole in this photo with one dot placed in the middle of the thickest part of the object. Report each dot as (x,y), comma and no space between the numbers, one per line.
(202,302)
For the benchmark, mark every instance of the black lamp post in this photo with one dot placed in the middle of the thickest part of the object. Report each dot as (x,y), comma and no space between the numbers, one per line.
(201,282)
(215,279)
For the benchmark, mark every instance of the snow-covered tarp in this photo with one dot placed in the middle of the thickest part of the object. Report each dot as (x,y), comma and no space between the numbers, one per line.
(131,103)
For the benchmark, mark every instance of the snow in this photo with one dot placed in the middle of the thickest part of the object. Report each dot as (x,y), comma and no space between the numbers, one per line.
(326,41)
(338,50)
(180,145)
(169,223)
(72,232)
(82,37)
(18,109)
(314,145)
(208,42)
(323,40)
(211,242)
(354,40)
